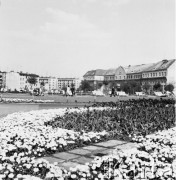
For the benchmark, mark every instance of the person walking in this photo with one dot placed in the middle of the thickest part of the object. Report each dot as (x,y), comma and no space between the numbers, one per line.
(68,91)
(113,92)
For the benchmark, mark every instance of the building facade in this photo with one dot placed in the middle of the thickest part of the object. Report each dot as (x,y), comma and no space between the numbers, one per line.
(25,85)
(12,81)
(94,77)
(163,72)
(2,80)
(64,82)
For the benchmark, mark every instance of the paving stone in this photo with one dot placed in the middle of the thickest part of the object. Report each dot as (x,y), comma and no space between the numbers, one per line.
(65,155)
(79,151)
(94,148)
(68,165)
(126,146)
(108,151)
(110,143)
(82,160)
(53,159)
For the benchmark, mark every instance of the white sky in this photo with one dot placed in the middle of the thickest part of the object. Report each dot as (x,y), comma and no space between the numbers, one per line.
(66,38)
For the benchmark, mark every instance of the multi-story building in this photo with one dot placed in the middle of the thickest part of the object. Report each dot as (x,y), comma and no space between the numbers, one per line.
(110,75)
(24,84)
(2,80)
(162,72)
(49,83)
(12,81)
(53,83)
(64,82)
(95,76)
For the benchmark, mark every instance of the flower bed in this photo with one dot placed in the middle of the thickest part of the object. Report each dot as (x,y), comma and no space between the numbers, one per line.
(155,159)
(13,100)
(25,136)
(121,120)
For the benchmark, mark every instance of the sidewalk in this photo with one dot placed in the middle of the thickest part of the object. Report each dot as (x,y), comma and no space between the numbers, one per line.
(88,153)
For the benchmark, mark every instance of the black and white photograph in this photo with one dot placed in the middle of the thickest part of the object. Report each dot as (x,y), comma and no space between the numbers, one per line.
(87,90)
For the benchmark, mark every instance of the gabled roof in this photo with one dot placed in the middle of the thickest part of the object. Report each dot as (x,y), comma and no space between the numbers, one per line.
(161,65)
(97,72)
(137,68)
(110,72)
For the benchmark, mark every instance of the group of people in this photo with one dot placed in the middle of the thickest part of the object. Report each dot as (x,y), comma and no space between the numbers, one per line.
(69,91)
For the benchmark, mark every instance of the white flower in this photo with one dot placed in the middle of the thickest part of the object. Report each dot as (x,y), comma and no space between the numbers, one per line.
(11,175)
(73,176)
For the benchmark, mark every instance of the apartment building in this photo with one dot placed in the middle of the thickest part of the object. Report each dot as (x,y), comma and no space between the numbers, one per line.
(24,84)
(64,82)
(12,81)
(49,83)
(2,79)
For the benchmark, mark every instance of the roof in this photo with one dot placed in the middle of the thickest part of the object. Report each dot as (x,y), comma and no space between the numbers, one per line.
(97,72)
(161,65)
(28,74)
(66,78)
(137,68)
(110,72)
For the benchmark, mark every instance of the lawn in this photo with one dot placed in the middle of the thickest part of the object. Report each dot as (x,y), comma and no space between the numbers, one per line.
(74,99)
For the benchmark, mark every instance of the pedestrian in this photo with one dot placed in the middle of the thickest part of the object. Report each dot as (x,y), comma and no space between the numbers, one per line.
(113,92)
(73,91)
(68,91)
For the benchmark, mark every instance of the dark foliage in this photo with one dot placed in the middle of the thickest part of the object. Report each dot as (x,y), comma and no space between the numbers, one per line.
(122,119)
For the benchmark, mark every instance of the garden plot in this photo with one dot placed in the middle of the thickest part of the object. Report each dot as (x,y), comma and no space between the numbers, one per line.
(26,136)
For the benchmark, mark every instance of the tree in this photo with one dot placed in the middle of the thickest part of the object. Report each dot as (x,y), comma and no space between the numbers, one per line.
(42,83)
(125,87)
(130,87)
(105,83)
(99,85)
(157,87)
(85,86)
(169,87)
(72,85)
(135,86)
(146,87)
(112,84)
(32,80)
(64,88)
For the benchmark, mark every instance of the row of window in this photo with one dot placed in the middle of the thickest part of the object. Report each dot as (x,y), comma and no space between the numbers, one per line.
(154,74)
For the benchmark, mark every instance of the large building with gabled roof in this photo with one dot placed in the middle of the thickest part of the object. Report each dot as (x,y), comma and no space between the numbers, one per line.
(162,72)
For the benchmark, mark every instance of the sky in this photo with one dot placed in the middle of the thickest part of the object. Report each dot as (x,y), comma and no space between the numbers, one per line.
(67,38)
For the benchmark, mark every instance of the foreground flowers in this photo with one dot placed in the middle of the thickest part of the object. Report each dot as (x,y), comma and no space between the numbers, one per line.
(26,136)
(155,158)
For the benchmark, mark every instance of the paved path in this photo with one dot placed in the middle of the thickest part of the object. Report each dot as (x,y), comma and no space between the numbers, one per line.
(85,154)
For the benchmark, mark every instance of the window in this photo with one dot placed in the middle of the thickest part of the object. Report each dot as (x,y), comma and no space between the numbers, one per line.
(151,74)
(159,73)
(164,73)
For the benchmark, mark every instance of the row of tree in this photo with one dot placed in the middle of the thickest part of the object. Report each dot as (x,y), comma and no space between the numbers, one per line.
(129,87)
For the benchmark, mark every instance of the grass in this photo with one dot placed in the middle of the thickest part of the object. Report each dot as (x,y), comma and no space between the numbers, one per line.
(74,99)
